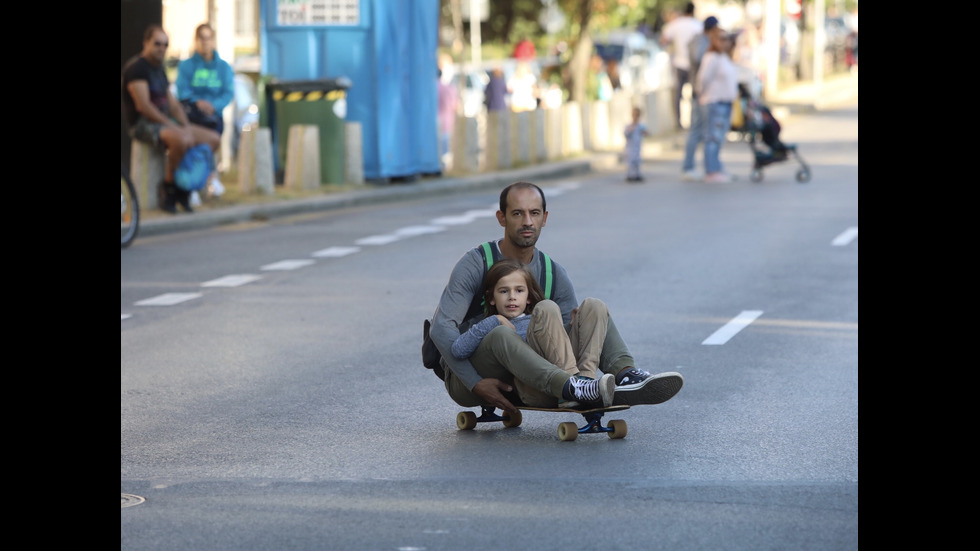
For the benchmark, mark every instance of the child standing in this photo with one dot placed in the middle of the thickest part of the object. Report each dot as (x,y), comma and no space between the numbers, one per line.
(635,132)
(511,295)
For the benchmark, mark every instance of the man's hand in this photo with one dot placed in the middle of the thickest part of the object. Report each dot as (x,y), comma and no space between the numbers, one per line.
(491,391)
(205,106)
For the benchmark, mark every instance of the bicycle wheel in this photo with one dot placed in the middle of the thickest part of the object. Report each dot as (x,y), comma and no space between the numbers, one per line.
(130,219)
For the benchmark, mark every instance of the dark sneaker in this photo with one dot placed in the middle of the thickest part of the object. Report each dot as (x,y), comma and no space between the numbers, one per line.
(571,404)
(167,197)
(183,198)
(637,387)
(592,393)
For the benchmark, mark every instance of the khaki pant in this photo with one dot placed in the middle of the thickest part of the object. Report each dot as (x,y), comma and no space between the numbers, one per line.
(553,353)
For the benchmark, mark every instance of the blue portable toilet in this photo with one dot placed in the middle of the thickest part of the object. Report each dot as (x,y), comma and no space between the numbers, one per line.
(387,49)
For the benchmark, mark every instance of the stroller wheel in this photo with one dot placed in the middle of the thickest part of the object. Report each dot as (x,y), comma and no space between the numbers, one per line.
(803,176)
(756,176)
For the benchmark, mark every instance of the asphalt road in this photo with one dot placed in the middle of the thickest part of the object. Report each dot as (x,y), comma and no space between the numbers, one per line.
(272,394)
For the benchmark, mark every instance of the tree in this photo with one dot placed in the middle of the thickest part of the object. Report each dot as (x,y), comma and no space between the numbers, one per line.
(509,21)
(587,17)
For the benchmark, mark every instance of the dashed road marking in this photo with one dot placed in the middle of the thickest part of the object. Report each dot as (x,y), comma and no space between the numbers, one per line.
(378,239)
(412,231)
(288,264)
(231,280)
(845,237)
(335,252)
(168,299)
(730,329)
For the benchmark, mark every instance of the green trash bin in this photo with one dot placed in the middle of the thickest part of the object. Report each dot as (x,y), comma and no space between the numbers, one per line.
(319,102)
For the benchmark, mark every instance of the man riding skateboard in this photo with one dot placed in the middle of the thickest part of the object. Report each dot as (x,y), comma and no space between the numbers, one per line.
(486,378)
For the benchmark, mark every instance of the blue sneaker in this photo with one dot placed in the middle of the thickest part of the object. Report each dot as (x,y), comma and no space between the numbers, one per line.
(636,387)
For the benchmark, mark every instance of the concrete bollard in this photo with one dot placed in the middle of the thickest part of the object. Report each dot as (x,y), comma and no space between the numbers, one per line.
(303,157)
(255,171)
(146,169)
(354,161)
(572,129)
(540,152)
(521,141)
(466,146)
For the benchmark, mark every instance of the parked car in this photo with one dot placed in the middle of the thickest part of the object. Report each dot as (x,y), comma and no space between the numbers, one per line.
(471,94)
(643,65)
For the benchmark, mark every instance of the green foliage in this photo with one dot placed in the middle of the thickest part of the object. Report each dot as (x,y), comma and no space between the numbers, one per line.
(515,19)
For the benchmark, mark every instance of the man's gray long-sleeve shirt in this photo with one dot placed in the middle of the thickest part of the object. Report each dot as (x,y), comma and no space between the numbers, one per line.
(466,282)
(467,343)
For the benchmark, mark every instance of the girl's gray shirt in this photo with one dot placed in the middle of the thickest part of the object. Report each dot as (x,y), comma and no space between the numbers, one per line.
(466,344)
(466,282)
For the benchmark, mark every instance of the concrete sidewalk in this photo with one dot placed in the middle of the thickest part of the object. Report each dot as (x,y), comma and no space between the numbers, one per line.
(801,98)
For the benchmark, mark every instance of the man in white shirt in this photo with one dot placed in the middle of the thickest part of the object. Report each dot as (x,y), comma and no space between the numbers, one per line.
(676,35)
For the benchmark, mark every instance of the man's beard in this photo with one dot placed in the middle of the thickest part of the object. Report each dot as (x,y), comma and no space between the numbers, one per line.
(525,243)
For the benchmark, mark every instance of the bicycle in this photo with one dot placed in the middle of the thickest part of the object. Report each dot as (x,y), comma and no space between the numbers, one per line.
(130,206)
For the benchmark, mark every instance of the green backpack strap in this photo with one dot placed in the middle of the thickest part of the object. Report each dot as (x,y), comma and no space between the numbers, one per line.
(548,270)
(487,257)
(487,262)
(548,277)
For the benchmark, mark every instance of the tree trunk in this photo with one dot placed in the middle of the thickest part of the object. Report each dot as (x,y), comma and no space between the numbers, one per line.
(581,53)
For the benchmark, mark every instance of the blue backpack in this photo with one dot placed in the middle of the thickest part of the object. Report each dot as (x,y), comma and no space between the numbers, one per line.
(195,168)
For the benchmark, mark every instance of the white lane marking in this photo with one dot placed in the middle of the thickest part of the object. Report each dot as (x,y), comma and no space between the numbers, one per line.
(845,237)
(412,231)
(288,264)
(233,280)
(333,252)
(378,239)
(464,218)
(491,211)
(730,329)
(452,220)
(126,317)
(168,299)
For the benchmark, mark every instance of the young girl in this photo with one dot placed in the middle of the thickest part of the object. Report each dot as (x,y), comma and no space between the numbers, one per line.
(510,293)
(512,297)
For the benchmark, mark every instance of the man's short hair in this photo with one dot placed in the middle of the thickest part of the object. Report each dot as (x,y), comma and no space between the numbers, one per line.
(519,185)
(151,30)
(689,8)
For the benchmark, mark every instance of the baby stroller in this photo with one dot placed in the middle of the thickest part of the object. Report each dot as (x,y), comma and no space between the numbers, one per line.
(760,122)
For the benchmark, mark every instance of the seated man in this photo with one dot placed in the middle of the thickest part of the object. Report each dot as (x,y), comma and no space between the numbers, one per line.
(487,377)
(156,117)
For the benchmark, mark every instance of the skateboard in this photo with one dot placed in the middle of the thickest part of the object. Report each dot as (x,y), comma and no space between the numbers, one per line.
(567,431)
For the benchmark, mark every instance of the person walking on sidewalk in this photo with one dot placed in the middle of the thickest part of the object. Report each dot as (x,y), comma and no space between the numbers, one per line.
(156,117)
(695,134)
(717,85)
(676,36)
(486,378)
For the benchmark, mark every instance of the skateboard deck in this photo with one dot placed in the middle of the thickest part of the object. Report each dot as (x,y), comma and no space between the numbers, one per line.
(567,431)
